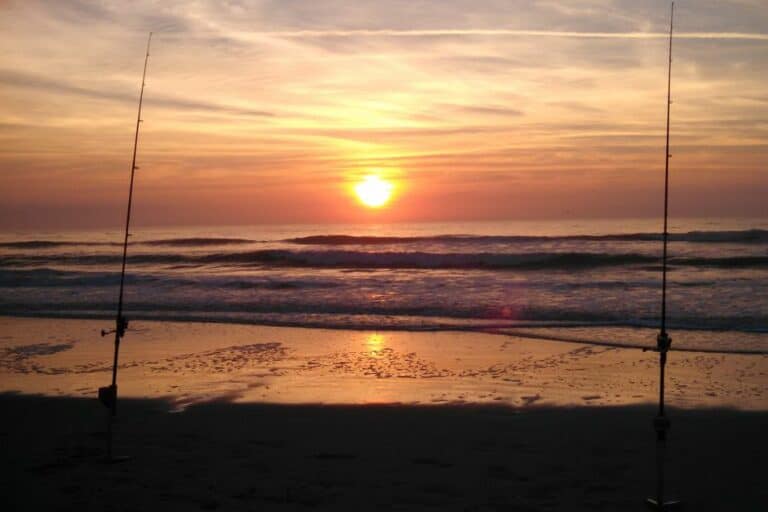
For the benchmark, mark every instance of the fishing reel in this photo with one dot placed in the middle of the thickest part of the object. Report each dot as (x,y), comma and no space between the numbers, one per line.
(663,343)
(121,327)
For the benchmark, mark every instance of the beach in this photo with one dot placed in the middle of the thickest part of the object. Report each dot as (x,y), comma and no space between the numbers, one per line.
(243,417)
(383,256)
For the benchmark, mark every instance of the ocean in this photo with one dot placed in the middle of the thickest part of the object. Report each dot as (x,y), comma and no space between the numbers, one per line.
(590,281)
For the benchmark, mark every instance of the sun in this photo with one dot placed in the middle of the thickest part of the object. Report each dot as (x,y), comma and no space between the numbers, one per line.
(373,191)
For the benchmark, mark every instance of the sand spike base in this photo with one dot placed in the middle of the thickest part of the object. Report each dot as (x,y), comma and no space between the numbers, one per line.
(667,505)
(661,424)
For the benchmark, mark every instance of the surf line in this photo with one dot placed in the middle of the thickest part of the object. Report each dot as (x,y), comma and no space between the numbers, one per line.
(108,394)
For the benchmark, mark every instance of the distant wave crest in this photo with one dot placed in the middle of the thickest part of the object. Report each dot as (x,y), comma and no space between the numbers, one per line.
(745,236)
(174,242)
(749,236)
(197,242)
(50,244)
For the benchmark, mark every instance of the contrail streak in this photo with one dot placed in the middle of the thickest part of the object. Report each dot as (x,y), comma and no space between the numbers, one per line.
(507,33)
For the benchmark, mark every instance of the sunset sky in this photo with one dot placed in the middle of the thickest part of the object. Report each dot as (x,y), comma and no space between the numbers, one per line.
(272,111)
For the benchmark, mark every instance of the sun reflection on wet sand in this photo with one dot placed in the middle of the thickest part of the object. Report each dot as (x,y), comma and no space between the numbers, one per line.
(374,343)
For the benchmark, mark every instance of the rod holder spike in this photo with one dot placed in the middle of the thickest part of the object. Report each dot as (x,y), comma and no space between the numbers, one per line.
(108,396)
(663,342)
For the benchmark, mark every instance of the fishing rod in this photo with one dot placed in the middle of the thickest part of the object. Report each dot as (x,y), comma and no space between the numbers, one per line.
(108,394)
(663,341)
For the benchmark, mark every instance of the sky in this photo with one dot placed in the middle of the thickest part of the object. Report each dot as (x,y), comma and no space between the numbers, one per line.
(271,111)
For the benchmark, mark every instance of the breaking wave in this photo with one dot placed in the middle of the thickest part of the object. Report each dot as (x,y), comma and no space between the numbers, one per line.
(749,236)
(393,260)
(52,278)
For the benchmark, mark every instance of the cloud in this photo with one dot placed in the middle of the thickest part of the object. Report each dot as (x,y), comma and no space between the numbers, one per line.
(484,110)
(40,82)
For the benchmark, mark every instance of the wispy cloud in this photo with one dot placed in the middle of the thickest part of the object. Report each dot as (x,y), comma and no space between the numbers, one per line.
(35,81)
(501,33)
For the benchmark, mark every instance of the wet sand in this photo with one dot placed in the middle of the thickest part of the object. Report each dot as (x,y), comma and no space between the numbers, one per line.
(187,363)
(231,417)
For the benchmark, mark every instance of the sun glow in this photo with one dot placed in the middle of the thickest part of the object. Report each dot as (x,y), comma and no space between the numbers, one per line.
(373,191)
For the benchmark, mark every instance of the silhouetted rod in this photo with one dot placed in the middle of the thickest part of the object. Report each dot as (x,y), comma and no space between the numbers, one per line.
(663,341)
(108,395)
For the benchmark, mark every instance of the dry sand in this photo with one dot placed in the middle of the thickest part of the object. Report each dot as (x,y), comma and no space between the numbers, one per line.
(368,421)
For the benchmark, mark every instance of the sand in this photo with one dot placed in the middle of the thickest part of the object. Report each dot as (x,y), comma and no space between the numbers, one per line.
(232,417)
(187,363)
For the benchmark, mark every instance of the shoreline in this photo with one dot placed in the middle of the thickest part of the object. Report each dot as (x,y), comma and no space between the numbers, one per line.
(522,330)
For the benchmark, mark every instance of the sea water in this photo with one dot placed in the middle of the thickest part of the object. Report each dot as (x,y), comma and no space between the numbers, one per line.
(587,280)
